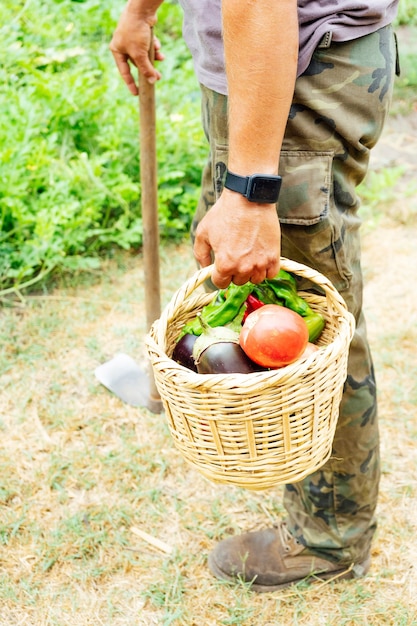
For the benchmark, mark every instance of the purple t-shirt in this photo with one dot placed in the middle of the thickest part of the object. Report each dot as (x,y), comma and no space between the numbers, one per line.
(345,19)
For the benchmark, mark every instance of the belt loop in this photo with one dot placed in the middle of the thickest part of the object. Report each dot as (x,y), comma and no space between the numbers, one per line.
(397,57)
(326,40)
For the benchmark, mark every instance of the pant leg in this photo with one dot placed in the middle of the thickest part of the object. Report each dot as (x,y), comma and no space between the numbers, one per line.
(339,108)
(214,120)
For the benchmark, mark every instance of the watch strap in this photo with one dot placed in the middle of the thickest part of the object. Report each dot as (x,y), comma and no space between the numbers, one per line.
(236,183)
(258,188)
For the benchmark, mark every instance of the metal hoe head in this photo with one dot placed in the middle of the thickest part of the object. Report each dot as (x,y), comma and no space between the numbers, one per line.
(129,381)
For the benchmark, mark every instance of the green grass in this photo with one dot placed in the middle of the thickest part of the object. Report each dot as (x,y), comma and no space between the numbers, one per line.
(80,471)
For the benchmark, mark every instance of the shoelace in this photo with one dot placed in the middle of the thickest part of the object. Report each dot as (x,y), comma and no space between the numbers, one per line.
(286,538)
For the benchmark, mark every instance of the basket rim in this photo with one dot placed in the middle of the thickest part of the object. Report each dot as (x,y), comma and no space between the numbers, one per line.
(287,372)
(156,344)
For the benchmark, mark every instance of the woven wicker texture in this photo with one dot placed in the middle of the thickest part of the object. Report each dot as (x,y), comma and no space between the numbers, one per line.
(254,430)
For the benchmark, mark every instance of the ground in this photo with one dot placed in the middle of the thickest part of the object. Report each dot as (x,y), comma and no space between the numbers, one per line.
(83,475)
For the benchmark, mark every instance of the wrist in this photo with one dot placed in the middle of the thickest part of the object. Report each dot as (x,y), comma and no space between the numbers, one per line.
(262,189)
(241,205)
(144,9)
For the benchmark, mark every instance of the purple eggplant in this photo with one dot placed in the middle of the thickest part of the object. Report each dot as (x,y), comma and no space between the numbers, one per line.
(217,351)
(225,358)
(183,351)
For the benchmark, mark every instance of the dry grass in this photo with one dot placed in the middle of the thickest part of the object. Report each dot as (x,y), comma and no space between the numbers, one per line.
(83,476)
(85,480)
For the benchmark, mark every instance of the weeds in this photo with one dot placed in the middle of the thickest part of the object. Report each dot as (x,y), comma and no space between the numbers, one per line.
(69,189)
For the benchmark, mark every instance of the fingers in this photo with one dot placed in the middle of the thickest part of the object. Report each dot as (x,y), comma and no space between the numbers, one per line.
(241,274)
(147,69)
(244,247)
(203,254)
(225,272)
(221,280)
(157,50)
(125,72)
(130,46)
(273,269)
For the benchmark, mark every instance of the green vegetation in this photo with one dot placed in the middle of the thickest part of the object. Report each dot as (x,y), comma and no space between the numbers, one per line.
(70,173)
(407,13)
(69,188)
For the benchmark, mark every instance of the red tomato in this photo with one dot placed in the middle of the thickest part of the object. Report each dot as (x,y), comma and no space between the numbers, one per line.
(274,336)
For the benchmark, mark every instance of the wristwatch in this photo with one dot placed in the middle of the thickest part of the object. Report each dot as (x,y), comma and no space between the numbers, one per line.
(261,188)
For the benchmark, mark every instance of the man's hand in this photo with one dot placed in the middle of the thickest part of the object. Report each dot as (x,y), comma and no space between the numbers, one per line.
(244,238)
(131,43)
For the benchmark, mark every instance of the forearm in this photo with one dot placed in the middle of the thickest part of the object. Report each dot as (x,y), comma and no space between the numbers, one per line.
(261,49)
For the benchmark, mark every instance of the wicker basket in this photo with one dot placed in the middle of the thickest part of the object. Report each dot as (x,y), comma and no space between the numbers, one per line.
(254,430)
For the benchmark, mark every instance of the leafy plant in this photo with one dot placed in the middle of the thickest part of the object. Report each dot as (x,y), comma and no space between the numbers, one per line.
(70,184)
(70,176)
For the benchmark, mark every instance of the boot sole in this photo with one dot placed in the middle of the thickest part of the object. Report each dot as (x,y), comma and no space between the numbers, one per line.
(347,573)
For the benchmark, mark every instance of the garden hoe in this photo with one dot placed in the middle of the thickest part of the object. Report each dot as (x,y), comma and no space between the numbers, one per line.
(132,383)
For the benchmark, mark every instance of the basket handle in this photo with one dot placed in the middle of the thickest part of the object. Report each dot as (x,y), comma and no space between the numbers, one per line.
(335,300)
(193,283)
(288,265)
(184,292)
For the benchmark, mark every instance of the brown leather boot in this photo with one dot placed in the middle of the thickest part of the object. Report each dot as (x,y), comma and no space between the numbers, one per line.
(271,559)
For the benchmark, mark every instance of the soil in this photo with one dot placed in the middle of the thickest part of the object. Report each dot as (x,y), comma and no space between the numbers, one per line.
(398,145)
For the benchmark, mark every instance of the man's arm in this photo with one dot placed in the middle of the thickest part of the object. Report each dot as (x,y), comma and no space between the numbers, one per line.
(261,48)
(132,40)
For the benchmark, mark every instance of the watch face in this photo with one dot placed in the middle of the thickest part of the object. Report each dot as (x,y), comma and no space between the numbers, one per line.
(264,189)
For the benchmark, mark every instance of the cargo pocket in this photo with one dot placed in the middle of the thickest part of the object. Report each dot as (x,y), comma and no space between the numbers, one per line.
(314,231)
(306,184)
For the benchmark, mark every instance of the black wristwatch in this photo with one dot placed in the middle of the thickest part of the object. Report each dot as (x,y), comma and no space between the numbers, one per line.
(261,188)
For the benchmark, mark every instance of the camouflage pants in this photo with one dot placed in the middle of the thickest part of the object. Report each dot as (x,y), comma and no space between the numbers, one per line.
(337,115)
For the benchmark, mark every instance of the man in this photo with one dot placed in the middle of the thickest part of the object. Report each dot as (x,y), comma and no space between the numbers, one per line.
(298,90)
